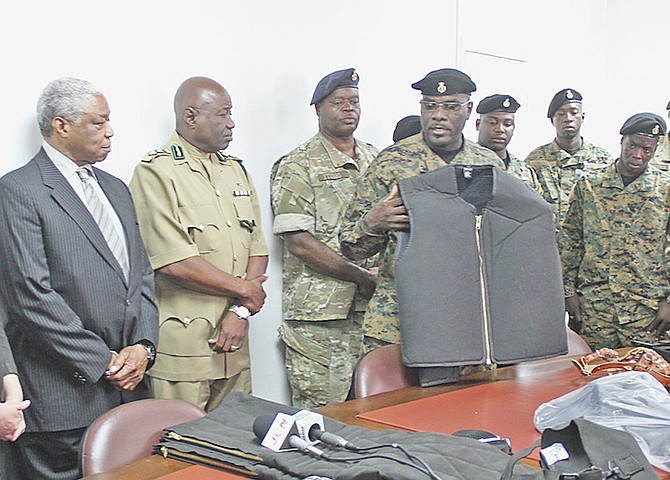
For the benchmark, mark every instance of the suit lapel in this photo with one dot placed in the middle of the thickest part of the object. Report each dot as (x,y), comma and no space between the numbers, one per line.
(69,201)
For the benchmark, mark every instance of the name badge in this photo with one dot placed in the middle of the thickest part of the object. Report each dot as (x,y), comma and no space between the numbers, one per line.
(242,193)
(333,176)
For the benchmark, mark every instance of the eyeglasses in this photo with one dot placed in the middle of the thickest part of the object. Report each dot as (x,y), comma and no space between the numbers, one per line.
(449,107)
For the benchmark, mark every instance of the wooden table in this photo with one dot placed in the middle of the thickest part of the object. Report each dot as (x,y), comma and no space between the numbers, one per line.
(554,370)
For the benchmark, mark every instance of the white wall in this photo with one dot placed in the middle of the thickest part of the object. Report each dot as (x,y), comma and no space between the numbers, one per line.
(270,54)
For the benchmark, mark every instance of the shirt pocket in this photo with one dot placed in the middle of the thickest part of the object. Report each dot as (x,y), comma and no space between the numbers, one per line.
(244,212)
(202,227)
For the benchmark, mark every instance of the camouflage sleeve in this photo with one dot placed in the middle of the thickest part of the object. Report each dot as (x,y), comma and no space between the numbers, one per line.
(356,241)
(666,252)
(571,240)
(257,248)
(292,199)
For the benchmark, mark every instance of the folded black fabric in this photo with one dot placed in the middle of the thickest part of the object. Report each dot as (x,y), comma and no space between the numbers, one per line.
(229,427)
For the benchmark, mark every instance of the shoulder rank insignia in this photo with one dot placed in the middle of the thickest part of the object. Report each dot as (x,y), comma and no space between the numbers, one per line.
(152,155)
(177,152)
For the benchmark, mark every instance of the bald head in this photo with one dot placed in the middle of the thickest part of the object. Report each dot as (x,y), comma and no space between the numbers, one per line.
(203,114)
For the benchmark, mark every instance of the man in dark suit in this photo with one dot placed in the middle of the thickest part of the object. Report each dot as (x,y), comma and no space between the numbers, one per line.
(77,282)
(12,422)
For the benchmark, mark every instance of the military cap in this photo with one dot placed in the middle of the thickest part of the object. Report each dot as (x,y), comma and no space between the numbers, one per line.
(333,81)
(445,81)
(645,123)
(498,103)
(567,95)
(406,127)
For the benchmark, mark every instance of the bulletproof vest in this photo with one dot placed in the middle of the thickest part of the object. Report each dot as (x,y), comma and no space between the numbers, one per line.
(478,275)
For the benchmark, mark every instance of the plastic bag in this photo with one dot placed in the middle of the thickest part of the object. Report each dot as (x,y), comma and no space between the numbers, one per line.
(634,402)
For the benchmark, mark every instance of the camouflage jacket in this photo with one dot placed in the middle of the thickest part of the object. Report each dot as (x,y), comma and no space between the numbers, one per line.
(310,189)
(520,170)
(404,159)
(557,171)
(661,158)
(615,239)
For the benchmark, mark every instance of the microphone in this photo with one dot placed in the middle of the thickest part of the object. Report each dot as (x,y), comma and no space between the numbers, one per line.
(311,428)
(280,433)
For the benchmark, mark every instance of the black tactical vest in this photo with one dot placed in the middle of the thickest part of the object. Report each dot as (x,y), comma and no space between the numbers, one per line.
(478,275)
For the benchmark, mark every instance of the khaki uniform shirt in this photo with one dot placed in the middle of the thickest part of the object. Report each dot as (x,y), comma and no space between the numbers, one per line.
(661,159)
(404,159)
(192,203)
(614,241)
(311,186)
(557,171)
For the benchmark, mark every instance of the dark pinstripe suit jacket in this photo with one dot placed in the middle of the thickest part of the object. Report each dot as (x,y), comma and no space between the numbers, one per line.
(6,359)
(67,300)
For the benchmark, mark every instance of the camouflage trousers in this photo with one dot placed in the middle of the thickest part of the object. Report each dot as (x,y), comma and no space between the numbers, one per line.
(601,327)
(320,359)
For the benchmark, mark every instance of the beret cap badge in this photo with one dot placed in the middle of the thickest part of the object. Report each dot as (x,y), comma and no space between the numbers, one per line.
(569,94)
(441,87)
(644,123)
(354,76)
(507,103)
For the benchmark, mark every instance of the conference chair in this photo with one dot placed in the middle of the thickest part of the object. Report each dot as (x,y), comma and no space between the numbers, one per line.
(576,344)
(129,432)
(382,370)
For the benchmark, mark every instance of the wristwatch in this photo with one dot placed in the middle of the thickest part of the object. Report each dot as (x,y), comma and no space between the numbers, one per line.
(241,311)
(151,351)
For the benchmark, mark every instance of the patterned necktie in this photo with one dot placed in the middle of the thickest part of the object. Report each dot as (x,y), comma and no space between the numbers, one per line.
(103,219)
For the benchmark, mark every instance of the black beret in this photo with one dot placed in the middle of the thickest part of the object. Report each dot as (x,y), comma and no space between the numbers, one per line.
(498,103)
(644,123)
(406,127)
(567,95)
(333,81)
(445,82)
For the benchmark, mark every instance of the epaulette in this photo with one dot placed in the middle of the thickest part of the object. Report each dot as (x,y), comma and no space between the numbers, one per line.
(154,154)
(224,157)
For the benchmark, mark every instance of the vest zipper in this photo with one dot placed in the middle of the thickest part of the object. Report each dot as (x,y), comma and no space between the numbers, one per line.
(482,283)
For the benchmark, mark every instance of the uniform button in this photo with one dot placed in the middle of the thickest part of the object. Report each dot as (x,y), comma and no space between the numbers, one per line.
(218,193)
(187,320)
(234,258)
(201,227)
(127,303)
(229,223)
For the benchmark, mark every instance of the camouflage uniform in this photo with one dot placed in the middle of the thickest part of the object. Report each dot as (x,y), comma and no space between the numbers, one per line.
(557,171)
(614,251)
(661,159)
(404,159)
(190,203)
(520,170)
(322,315)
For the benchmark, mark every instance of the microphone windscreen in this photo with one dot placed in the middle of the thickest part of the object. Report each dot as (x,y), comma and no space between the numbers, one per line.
(261,426)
